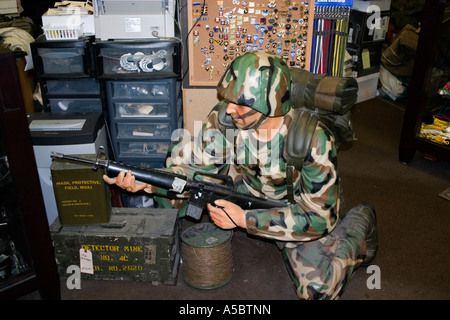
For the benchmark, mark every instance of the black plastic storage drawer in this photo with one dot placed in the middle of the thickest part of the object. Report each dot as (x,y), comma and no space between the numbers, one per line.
(132,90)
(73,87)
(75,105)
(144,130)
(62,59)
(137,59)
(144,149)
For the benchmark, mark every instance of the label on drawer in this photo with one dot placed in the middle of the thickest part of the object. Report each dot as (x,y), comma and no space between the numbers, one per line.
(133,25)
(57,125)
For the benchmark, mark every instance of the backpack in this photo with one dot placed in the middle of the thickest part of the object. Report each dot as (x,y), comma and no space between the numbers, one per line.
(329,98)
(317,97)
(399,57)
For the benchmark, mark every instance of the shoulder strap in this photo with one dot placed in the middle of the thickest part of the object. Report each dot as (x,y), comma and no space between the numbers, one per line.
(298,143)
(299,137)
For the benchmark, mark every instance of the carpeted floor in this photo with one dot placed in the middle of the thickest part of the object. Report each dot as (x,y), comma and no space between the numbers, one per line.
(413,221)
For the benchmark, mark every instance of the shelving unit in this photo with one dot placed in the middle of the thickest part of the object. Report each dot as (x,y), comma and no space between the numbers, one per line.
(434,13)
(21,201)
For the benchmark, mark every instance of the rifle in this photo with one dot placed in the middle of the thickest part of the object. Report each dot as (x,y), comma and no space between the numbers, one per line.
(201,192)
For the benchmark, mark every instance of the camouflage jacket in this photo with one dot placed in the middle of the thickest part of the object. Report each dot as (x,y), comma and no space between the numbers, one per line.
(258,168)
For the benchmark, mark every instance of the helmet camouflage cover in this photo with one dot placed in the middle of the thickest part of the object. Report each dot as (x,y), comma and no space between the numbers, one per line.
(259,80)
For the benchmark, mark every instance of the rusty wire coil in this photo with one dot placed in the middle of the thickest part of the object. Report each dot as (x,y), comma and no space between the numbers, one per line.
(207,257)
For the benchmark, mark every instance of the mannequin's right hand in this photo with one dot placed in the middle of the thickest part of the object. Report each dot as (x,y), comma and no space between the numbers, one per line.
(128,182)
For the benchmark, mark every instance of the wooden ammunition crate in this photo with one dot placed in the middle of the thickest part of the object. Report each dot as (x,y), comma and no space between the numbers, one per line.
(139,244)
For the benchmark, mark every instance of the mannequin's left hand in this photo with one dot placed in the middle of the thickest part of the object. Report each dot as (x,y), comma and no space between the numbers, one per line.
(220,218)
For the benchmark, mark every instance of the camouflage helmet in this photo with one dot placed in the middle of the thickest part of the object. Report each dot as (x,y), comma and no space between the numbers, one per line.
(259,80)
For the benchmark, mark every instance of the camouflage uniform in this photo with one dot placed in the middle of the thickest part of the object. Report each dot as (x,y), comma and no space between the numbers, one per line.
(320,254)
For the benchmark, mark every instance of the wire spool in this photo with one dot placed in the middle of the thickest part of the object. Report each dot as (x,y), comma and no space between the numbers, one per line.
(207,258)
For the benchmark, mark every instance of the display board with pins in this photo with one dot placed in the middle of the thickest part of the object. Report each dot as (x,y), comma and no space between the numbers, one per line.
(221,30)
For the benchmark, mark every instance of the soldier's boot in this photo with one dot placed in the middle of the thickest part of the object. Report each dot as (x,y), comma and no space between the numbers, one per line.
(363,219)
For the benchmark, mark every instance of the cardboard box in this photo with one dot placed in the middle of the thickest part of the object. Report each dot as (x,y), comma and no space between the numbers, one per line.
(8,7)
(197,103)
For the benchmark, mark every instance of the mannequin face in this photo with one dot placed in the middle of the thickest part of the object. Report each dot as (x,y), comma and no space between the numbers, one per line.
(243,116)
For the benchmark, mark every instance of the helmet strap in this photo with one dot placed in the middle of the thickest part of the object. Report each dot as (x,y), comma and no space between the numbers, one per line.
(256,124)
(246,115)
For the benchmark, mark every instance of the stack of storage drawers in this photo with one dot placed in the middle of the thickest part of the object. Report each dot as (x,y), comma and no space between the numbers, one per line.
(143,116)
(144,102)
(135,83)
(143,97)
(66,73)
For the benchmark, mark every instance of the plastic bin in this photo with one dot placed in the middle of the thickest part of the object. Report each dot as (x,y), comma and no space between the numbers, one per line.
(143,149)
(142,110)
(144,130)
(62,32)
(73,87)
(121,59)
(131,90)
(75,105)
(62,60)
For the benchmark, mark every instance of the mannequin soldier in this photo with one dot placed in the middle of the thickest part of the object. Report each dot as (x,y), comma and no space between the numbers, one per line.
(322,246)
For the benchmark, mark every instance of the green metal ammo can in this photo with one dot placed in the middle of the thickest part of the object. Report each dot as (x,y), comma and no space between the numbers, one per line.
(81,195)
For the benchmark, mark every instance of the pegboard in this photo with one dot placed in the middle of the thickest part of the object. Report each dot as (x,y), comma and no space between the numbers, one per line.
(221,30)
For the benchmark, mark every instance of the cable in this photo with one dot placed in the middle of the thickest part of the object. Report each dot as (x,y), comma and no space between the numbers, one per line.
(192,28)
(228,216)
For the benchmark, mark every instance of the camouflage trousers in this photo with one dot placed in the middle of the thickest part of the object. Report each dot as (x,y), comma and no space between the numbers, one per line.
(322,269)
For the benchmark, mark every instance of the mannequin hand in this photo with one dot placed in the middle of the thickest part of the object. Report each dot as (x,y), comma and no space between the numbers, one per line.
(220,218)
(128,182)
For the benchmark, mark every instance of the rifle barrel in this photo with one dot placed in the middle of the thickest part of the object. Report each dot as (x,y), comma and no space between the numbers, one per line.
(58,155)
